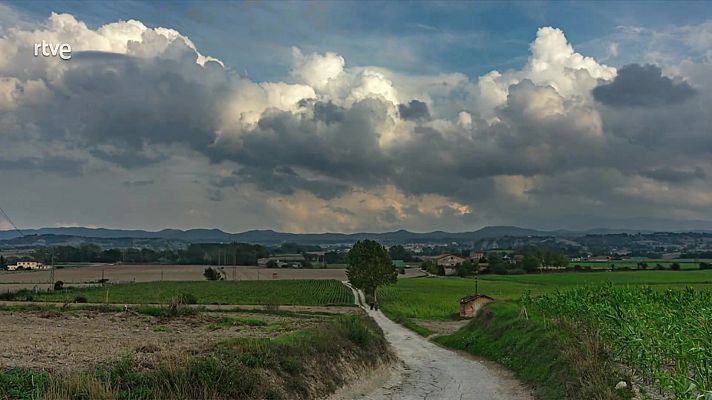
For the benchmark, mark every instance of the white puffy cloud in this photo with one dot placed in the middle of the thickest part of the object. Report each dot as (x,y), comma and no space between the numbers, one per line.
(335,146)
(553,62)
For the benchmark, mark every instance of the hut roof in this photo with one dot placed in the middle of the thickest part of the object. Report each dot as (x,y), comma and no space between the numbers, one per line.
(473,297)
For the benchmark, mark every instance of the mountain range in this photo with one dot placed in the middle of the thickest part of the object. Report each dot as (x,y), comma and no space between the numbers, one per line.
(270,237)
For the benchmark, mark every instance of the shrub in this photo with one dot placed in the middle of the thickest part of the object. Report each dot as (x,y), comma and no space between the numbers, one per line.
(675,266)
(59,285)
(187,298)
(212,274)
(7,296)
(705,265)
(80,299)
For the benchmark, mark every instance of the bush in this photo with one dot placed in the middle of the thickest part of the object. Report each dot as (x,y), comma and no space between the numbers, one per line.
(675,266)
(59,285)
(516,271)
(705,265)
(212,274)
(187,298)
(7,296)
(500,269)
(80,299)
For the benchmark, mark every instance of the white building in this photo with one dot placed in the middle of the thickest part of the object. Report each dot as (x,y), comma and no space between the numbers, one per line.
(26,265)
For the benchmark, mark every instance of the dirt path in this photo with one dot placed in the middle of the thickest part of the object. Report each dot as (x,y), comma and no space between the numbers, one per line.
(428,371)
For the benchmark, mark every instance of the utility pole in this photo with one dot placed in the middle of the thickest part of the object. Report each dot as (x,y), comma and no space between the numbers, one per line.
(477,278)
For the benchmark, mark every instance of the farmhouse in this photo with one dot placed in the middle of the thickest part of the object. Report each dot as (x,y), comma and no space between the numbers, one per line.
(282,260)
(600,258)
(448,260)
(476,255)
(26,265)
(470,305)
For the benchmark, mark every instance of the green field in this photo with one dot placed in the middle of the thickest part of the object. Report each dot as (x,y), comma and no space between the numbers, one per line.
(437,298)
(292,292)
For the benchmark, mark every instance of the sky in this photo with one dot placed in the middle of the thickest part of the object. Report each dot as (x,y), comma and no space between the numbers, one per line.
(355,116)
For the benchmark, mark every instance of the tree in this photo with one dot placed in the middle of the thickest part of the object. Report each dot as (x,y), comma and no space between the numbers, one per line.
(370,266)
(3,263)
(399,252)
(465,269)
(496,264)
(429,265)
(675,266)
(530,263)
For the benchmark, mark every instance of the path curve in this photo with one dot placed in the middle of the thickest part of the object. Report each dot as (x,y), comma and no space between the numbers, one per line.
(428,371)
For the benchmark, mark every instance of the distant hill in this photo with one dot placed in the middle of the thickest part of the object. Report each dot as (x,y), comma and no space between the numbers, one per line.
(270,237)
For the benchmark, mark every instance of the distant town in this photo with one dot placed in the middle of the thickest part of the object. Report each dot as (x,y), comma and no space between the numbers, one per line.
(504,250)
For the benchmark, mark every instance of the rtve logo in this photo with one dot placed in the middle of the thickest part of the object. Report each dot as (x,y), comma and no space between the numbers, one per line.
(63,50)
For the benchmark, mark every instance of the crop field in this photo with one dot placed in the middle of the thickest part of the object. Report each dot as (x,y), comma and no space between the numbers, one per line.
(666,278)
(437,298)
(292,292)
(664,336)
(125,273)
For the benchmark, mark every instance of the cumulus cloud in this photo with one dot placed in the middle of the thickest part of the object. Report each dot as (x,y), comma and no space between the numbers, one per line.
(642,85)
(340,147)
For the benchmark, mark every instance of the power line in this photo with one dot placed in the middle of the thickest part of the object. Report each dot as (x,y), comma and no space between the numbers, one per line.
(7,217)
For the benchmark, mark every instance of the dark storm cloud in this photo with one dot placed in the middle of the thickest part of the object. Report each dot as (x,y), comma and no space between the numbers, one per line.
(642,85)
(284,180)
(49,164)
(674,175)
(347,150)
(328,112)
(129,110)
(138,183)
(414,110)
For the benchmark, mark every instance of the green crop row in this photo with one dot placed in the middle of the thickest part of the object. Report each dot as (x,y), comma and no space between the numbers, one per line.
(664,336)
(291,292)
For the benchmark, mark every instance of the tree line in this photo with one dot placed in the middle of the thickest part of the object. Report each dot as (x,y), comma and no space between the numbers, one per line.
(198,253)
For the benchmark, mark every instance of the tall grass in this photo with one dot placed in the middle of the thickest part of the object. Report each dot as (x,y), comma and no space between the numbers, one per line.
(665,337)
(560,362)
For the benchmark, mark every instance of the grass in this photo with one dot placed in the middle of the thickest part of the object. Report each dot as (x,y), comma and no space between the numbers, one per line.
(222,322)
(559,363)
(664,336)
(20,384)
(294,292)
(437,298)
(665,278)
(303,364)
(657,322)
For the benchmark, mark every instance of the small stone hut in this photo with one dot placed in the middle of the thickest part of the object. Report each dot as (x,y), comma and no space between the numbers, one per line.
(470,305)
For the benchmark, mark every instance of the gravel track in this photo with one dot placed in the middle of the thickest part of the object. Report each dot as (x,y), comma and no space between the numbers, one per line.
(428,371)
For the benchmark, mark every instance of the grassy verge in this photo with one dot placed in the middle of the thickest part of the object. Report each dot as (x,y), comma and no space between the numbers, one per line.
(407,322)
(559,360)
(304,364)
